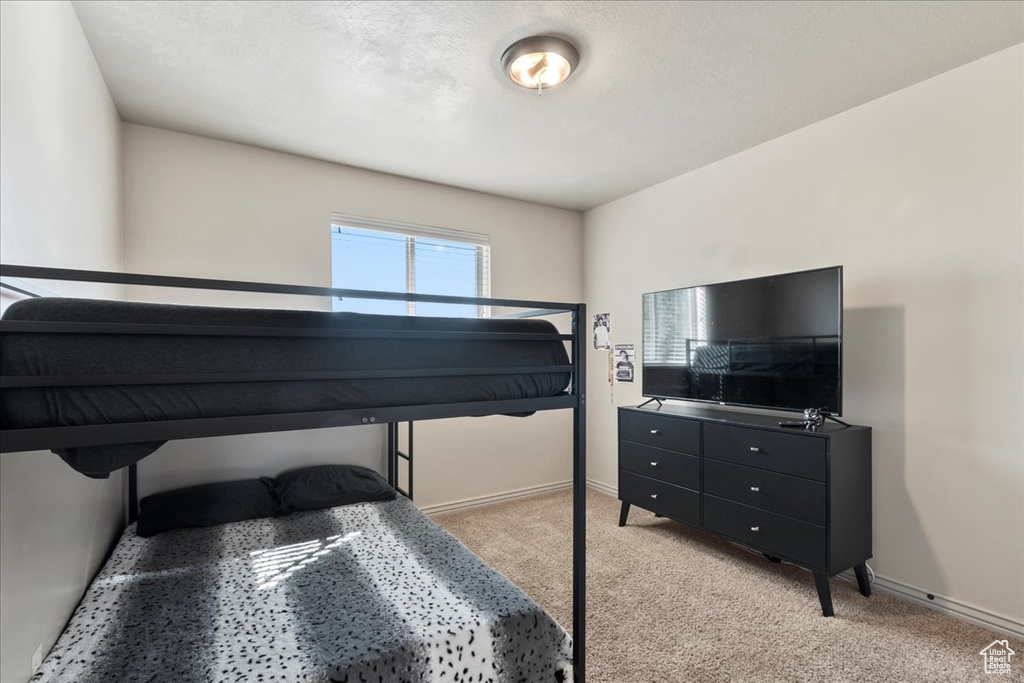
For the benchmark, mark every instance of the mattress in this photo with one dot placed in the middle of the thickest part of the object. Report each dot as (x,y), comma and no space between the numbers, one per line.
(102,354)
(367,592)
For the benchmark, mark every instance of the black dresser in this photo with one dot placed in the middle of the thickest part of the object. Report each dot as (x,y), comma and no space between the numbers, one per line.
(799,495)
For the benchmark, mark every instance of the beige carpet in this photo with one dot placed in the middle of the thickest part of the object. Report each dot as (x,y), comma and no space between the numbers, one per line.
(669,603)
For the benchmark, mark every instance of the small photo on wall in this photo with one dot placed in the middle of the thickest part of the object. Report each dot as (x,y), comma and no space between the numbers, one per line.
(625,362)
(602,330)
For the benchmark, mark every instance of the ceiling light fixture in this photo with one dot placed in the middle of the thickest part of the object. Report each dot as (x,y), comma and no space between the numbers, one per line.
(540,62)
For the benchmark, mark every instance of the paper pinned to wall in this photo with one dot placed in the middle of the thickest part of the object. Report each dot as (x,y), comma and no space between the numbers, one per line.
(625,362)
(602,330)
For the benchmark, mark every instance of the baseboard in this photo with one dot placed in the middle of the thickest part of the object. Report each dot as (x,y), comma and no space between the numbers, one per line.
(495,498)
(993,621)
(603,488)
(512,495)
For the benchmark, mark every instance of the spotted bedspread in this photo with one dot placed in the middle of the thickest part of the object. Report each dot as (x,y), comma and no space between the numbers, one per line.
(368,592)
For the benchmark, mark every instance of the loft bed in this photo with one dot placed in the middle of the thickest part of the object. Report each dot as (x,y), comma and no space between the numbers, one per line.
(62,359)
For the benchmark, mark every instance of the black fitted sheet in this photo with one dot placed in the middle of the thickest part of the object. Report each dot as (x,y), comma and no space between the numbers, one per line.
(99,354)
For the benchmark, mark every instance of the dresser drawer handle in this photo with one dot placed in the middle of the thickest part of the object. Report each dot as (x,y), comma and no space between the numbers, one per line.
(655,432)
(654,495)
(755,489)
(755,449)
(755,528)
(654,464)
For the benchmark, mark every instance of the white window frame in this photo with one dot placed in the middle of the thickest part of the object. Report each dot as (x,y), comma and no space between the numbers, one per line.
(411,231)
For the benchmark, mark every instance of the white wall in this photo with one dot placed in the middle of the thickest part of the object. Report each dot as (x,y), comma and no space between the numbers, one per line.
(920,196)
(60,205)
(200,207)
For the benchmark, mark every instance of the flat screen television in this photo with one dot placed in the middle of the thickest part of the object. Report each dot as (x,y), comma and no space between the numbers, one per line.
(768,342)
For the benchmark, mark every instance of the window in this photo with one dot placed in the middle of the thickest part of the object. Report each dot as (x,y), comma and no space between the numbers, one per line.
(396,257)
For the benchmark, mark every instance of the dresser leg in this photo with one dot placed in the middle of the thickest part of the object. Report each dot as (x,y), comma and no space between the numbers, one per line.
(862,579)
(623,513)
(824,593)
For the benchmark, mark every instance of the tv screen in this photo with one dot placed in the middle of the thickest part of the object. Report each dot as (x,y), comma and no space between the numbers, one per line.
(768,342)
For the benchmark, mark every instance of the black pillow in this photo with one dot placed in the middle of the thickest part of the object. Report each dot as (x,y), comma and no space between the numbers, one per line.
(328,486)
(206,505)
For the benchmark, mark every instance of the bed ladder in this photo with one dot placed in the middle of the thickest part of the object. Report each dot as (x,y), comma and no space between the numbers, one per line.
(394,453)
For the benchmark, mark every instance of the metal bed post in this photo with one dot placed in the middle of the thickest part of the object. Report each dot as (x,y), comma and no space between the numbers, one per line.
(392,441)
(395,454)
(408,458)
(579,495)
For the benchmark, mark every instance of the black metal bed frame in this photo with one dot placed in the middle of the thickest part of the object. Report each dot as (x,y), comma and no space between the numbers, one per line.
(12,440)
(395,454)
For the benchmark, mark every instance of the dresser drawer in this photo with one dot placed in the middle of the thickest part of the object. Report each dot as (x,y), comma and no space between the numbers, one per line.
(791,496)
(670,433)
(658,463)
(802,456)
(657,496)
(777,535)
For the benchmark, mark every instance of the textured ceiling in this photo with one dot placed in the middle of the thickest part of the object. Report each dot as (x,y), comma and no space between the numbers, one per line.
(416,89)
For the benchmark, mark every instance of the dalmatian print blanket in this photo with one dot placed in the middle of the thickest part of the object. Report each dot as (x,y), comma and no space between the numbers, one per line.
(374,592)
